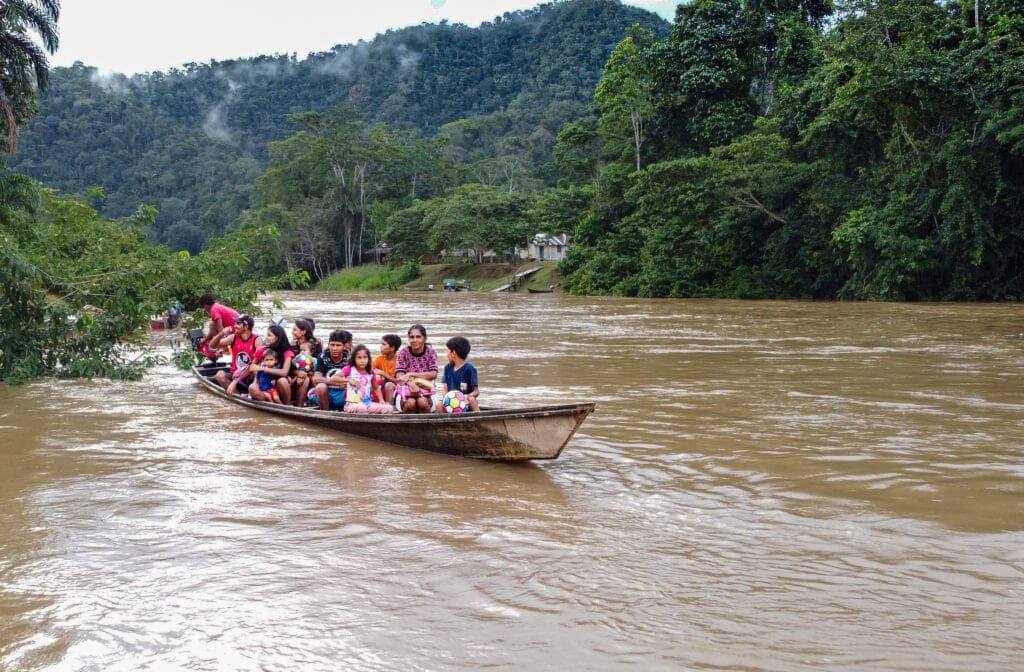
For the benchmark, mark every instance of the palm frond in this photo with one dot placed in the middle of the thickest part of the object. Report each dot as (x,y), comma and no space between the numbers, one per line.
(23,63)
(39,20)
(12,125)
(15,50)
(19,192)
(13,264)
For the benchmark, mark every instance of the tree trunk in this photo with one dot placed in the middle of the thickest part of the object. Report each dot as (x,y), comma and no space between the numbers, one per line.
(346,223)
(638,129)
(360,171)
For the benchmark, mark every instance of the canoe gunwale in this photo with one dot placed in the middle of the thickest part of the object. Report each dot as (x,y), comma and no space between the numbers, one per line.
(405,425)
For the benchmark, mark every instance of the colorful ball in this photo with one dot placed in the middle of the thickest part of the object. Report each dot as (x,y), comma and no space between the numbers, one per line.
(305,363)
(455,402)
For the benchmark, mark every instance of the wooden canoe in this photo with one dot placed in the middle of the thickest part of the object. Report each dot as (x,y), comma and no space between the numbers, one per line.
(531,290)
(492,434)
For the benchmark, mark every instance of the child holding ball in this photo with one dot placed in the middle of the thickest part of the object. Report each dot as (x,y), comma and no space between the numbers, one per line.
(459,375)
(303,367)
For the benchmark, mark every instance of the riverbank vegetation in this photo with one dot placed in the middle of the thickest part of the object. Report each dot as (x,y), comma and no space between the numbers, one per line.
(861,149)
(370,276)
(77,291)
(864,150)
(870,149)
(193,141)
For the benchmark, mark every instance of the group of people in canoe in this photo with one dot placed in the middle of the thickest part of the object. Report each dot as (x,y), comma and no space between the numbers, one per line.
(340,376)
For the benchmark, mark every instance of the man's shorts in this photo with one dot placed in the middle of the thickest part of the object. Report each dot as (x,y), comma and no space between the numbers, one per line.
(337,398)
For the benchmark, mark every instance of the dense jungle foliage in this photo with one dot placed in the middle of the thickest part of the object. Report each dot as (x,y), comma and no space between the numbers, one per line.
(80,275)
(863,149)
(869,149)
(192,141)
(76,290)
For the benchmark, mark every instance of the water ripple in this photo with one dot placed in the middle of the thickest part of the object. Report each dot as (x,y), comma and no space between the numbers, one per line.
(765,486)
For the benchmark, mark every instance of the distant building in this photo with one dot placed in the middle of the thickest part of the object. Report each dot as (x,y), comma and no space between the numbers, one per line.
(546,247)
(487,256)
(378,254)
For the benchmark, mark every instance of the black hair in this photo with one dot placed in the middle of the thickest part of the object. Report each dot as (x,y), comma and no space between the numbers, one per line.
(206,300)
(458,345)
(369,358)
(418,327)
(394,340)
(308,326)
(340,335)
(277,355)
(281,344)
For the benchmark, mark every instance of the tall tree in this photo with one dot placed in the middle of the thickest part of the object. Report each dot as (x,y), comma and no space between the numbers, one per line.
(577,151)
(336,176)
(23,63)
(702,75)
(784,36)
(623,98)
(477,218)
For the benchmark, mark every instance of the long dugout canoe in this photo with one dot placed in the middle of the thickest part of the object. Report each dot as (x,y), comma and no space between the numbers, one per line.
(517,434)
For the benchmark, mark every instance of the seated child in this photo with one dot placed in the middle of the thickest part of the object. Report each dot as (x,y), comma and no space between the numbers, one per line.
(386,362)
(325,392)
(300,377)
(264,388)
(459,374)
(362,384)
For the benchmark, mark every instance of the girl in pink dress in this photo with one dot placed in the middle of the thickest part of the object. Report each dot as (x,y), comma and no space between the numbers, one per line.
(363,384)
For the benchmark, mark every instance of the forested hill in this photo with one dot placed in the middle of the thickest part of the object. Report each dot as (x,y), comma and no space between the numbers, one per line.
(191,141)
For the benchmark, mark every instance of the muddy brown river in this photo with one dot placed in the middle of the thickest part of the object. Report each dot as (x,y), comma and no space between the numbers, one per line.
(764,486)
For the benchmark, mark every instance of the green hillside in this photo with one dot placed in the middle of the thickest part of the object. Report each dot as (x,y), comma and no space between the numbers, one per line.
(191,141)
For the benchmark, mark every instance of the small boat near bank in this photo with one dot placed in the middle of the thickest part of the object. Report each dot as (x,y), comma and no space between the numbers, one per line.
(512,434)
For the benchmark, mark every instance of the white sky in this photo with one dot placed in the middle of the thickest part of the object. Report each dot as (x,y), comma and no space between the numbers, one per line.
(132,36)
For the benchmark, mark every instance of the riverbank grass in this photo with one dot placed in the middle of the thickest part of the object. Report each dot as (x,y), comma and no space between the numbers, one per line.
(369,277)
(484,277)
(481,277)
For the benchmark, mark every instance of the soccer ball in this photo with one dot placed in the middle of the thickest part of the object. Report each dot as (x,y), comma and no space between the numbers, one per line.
(304,363)
(455,402)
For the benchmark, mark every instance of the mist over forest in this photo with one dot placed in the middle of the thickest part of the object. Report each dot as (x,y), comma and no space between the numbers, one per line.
(192,141)
(855,149)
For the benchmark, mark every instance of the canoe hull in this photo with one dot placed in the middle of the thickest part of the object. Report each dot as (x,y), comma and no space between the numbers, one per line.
(510,434)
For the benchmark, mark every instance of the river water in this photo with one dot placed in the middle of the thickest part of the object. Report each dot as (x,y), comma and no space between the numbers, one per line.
(764,486)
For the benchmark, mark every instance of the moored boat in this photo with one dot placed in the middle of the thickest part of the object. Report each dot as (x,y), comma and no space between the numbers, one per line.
(511,434)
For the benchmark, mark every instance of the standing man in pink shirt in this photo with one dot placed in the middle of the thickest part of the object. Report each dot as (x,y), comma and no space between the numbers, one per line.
(220,316)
